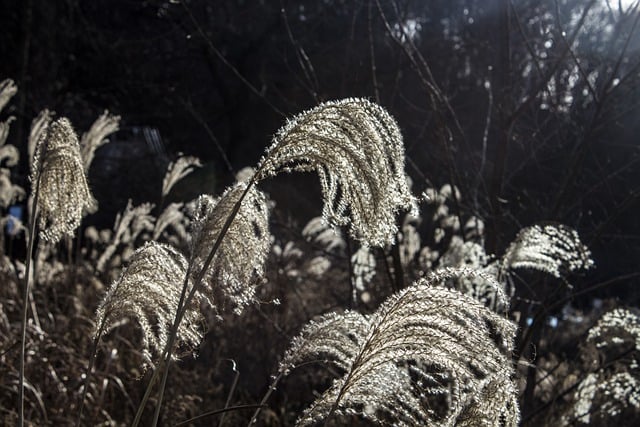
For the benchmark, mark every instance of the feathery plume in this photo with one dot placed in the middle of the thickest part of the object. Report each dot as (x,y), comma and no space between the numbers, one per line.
(4,131)
(614,325)
(172,216)
(613,389)
(9,157)
(474,229)
(104,126)
(148,292)
(178,170)
(553,249)
(427,258)
(241,256)
(128,226)
(58,176)
(8,88)
(364,268)
(427,356)
(337,337)
(409,242)
(464,254)
(483,286)
(289,259)
(39,126)
(319,232)
(9,192)
(356,148)
(9,154)
(604,399)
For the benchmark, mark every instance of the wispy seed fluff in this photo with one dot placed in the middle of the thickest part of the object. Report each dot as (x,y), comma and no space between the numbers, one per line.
(177,170)
(356,148)
(148,292)
(58,175)
(7,90)
(239,261)
(553,248)
(39,126)
(428,356)
(104,126)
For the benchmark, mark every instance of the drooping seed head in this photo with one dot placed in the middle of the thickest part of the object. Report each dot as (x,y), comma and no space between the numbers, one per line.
(428,356)
(553,248)
(177,170)
(148,292)
(104,126)
(239,261)
(356,148)
(8,88)
(58,175)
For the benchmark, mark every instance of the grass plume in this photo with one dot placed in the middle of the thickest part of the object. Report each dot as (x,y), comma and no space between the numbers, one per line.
(148,291)
(357,150)
(427,356)
(58,173)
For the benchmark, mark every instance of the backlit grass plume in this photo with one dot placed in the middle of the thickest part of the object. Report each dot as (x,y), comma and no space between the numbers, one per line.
(553,248)
(9,154)
(239,261)
(610,392)
(39,126)
(4,130)
(129,225)
(177,170)
(148,292)
(356,148)
(104,126)
(427,356)
(59,179)
(172,217)
(8,88)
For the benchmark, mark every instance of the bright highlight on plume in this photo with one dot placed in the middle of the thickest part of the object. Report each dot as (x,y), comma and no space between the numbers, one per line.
(58,173)
(356,148)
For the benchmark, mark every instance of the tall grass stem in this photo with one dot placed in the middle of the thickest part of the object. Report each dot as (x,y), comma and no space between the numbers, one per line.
(25,301)
(87,379)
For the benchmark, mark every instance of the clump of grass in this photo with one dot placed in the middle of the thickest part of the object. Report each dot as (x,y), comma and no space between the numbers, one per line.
(60,198)
(427,355)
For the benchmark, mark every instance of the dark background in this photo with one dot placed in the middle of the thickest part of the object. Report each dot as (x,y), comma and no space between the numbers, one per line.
(529,107)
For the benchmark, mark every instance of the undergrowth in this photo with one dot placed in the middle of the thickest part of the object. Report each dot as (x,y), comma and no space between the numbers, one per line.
(387,309)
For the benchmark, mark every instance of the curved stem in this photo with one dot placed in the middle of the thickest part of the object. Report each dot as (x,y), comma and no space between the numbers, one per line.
(183,304)
(25,301)
(236,377)
(263,402)
(87,379)
(216,412)
(185,301)
(146,396)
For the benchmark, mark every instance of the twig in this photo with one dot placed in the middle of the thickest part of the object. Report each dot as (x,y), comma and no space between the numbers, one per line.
(236,377)
(216,412)
(224,60)
(372,52)
(303,58)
